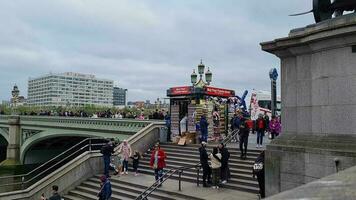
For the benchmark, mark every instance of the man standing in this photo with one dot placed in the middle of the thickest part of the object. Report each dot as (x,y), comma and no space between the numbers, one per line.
(158,162)
(107,150)
(105,189)
(204,128)
(225,156)
(204,164)
(259,171)
(167,119)
(244,133)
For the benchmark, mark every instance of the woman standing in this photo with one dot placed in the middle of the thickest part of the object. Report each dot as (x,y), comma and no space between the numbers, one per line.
(275,127)
(158,162)
(125,151)
(215,159)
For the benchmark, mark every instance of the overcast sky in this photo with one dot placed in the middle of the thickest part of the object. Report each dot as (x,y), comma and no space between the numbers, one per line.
(145,46)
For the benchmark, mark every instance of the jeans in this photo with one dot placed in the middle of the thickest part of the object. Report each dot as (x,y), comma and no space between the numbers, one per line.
(158,174)
(243,143)
(126,165)
(106,165)
(206,173)
(204,137)
(260,135)
(216,176)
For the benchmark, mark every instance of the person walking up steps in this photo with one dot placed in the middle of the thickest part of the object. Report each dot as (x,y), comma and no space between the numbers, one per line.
(260,129)
(244,133)
(215,159)
(135,161)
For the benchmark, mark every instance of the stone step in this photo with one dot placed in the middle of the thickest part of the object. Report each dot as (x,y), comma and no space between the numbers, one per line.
(236,185)
(185,163)
(115,195)
(210,148)
(70,197)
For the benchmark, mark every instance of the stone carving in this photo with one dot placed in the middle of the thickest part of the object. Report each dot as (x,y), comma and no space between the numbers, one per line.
(27,133)
(325,9)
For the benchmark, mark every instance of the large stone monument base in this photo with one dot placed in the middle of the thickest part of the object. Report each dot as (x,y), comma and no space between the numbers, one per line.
(318,75)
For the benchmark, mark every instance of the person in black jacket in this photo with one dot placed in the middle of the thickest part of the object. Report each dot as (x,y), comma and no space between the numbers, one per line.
(205,165)
(259,171)
(107,150)
(244,133)
(225,171)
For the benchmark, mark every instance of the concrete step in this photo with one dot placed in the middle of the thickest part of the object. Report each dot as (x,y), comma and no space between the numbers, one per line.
(235,185)
(94,191)
(70,197)
(210,148)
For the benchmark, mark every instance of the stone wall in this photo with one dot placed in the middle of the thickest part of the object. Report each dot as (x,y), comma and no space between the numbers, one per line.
(318,76)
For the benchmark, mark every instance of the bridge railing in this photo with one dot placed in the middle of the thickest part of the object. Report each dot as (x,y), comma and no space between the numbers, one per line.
(23,181)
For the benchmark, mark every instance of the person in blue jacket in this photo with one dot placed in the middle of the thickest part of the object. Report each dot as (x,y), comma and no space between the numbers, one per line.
(105,188)
(204,128)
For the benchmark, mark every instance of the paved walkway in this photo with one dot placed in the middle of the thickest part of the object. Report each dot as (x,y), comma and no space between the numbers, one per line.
(192,189)
(252,141)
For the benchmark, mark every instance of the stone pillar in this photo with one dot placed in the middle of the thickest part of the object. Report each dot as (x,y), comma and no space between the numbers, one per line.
(318,90)
(13,149)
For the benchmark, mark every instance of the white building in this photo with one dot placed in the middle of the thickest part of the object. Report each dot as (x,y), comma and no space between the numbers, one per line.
(70,89)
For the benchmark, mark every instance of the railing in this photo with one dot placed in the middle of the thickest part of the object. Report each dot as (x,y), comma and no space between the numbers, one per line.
(179,170)
(23,181)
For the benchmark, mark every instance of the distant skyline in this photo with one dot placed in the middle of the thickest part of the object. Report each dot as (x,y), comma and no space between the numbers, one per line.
(144,46)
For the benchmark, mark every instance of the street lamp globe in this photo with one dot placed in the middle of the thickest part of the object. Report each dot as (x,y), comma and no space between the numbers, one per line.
(208,76)
(201,67)
(193,77)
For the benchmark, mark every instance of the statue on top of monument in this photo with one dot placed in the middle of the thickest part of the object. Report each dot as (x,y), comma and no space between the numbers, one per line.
(325,9)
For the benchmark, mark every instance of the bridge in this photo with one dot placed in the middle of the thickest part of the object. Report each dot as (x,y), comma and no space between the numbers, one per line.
(26,137)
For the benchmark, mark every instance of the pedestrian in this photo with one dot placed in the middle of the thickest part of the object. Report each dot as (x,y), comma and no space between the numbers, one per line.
(259,171)
(243,136)
(235,125)
(266,118)
(135,161)
(167,119)
(225,156)
(275,127)
(260,129)
(215,159)
(125,151)
(107,150)
(204,128)
(119,166)
(204,157)
(105,188)
(55,195)
(183,125)
(158,163)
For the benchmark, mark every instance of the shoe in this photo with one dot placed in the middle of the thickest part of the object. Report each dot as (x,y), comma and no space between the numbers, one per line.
(214,187)
(116,173)
(257,146)
(136,174)
(205,185)
(122,173)
(223,182)
(126,172)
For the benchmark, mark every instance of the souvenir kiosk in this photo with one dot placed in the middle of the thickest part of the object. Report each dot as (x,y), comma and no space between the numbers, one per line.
(188,103)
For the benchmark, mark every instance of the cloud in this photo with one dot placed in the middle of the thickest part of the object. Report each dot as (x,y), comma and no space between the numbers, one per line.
(144,46)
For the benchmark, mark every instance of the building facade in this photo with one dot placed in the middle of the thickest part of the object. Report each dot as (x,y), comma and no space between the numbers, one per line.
(70,89)
(119,96)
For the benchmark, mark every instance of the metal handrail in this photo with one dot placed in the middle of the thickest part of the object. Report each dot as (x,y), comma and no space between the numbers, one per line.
(171,172)
(45,168)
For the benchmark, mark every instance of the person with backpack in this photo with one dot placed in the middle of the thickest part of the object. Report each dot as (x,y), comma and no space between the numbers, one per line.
(260,129)
(105,188)
(215,159)
(259,171)
(107,150)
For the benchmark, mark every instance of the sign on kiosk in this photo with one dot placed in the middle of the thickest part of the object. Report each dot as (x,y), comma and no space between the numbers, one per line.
(212,91)
(181,90)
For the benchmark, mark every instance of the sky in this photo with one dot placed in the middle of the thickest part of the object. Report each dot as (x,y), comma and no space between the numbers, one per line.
(146,46)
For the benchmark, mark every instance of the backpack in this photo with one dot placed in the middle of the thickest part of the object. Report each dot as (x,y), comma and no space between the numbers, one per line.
(258,167)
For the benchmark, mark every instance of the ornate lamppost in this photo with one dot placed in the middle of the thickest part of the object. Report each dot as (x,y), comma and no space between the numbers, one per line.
(208,76)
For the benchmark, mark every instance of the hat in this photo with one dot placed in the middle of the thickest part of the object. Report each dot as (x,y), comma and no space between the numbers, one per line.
(203,143)
(103,178)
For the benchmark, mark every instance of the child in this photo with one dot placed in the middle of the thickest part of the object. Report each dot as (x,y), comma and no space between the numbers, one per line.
(215,159)
(136,158)
(118,169)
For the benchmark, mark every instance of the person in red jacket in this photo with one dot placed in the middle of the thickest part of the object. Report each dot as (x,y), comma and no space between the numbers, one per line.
(158,162)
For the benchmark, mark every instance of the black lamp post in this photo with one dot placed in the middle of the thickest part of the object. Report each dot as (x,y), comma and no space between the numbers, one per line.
(273,75)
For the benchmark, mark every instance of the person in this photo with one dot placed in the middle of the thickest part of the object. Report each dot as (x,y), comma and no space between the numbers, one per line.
(55,195)
(275,127)
(167,119)
(215,159)
(107,150)
(243,136)
(204,157)
(183,124)
(105,188)
(126,152)
(260,129)
(225,156)
(204,128)
(135,161)
(155,115)
(158,163)
(266,118)
(119,166)
(259,171)
(235,124)
(216,122)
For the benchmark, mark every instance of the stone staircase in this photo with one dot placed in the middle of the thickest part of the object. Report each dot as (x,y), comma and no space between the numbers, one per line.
(178,156)
(123,189)
(129,187)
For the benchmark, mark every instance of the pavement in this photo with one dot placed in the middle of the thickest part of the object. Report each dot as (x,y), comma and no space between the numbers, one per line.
(252,141)
(192,189)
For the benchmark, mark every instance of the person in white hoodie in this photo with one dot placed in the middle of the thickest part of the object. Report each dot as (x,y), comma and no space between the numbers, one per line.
(215,159)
